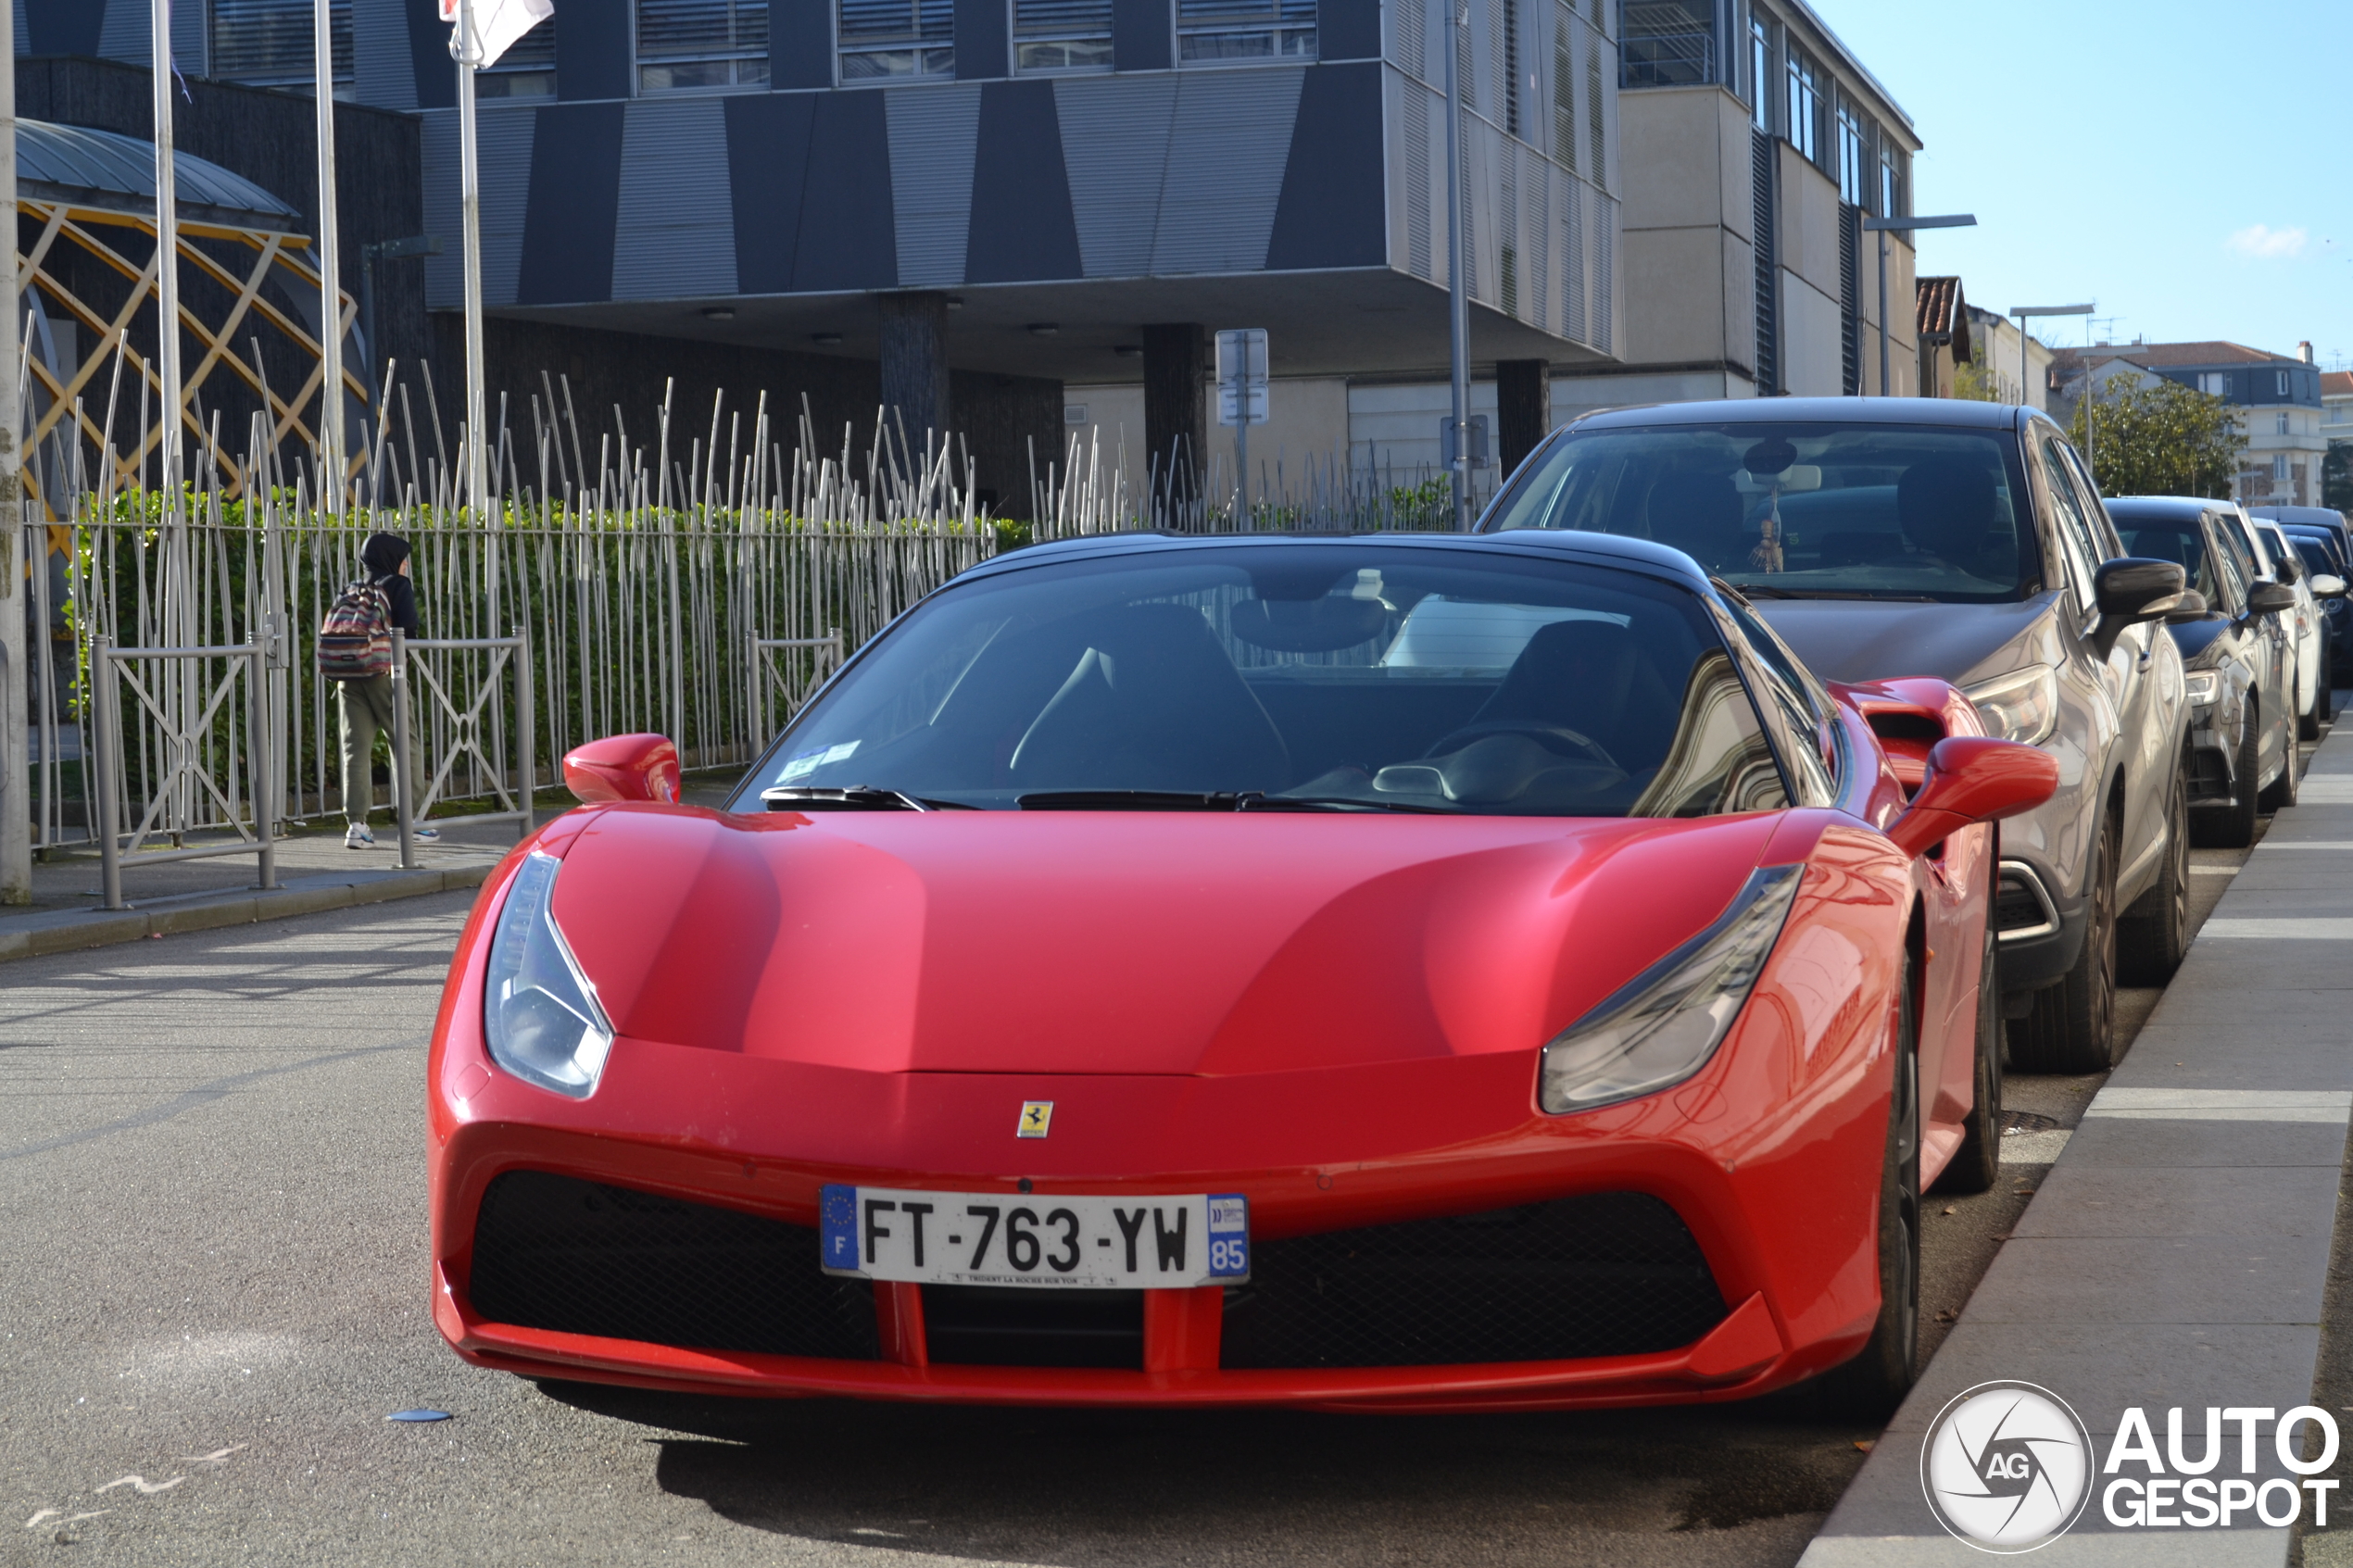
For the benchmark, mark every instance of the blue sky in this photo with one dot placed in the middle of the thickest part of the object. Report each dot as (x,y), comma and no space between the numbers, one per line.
(2186,166)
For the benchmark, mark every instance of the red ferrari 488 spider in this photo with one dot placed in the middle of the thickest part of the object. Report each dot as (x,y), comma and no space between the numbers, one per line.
(1404,972)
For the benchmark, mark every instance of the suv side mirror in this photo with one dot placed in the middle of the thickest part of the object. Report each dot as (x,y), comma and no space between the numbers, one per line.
(2133,588)
(2270,599)
(2191,608)
(623,767)
(1973,779)
(2287,569)
(2325,587)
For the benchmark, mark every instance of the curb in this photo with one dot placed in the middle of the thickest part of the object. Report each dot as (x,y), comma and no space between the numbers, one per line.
(66,931)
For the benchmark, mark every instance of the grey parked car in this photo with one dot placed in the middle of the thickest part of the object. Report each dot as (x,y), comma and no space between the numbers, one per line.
(2239,658)
(1928,537)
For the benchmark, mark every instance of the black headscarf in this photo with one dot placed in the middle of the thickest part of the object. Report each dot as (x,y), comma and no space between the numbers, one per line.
(382,554)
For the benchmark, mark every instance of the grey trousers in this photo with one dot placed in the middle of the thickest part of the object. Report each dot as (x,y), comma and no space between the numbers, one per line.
(366,712)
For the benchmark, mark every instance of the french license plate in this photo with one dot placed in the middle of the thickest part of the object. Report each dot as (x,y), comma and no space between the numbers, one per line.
(1153,1243)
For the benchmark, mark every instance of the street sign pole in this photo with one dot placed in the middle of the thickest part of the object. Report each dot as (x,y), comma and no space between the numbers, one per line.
(1881,226)
(1457,291)
(1242,400)
(466,47)
(330,433)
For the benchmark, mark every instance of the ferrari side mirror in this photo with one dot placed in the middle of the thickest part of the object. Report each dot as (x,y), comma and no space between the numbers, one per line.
(1973,779)
(623,767)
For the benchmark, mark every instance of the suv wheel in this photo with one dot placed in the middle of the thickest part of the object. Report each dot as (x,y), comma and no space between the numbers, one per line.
(1977,1164)
(2234,829)
(2152,940)
(2072,1026)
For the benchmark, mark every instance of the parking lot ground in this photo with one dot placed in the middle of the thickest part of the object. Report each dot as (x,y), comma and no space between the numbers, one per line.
(2177,1249)
(213,1291)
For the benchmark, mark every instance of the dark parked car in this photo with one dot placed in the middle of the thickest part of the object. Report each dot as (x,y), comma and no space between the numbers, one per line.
(2324,555)
(2238,659)
(1884,537)
(2313,517)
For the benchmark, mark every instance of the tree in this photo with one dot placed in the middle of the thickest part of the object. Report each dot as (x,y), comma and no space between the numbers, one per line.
(1978,381)
(2336,477)
(2160,440)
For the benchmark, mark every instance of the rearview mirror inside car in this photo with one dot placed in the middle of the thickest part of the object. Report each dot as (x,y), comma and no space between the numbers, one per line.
(2324,587)
(1973,779)
(640,767)
(2270,599)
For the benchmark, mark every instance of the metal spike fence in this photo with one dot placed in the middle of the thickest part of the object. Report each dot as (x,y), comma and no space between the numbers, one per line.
(638,583)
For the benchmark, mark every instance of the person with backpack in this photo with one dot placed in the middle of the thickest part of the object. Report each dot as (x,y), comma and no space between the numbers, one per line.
(355,651)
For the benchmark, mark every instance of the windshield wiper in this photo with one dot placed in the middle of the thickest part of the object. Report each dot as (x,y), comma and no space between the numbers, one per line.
(857,797)
(1130,800)
(1339,802)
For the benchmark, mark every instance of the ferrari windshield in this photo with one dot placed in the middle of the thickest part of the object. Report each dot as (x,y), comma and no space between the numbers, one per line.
(1341,675)
(1788,510)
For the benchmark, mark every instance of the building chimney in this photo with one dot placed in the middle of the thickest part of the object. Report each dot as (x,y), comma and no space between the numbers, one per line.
(2304,352)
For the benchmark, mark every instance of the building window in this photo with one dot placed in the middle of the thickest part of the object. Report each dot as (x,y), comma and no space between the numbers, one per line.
(1061,34)
(1805,106)
(2214,384)
(882,40)
(2282,388)
(1209,31)
(1760,72)
(1891,178)
(684,44)
(267,43)
(2283,429)
(2279,468)
(1854,154)
(1666,44)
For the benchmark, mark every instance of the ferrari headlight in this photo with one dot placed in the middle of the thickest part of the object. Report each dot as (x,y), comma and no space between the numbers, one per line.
(539,1012)
(2022,706)
(2204,686)
(1663,1025)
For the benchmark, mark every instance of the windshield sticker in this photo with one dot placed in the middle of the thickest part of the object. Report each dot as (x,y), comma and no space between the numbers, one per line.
(810,761)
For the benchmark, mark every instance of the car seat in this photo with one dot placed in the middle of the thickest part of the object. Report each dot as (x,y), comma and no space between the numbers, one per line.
(1701,515)
(1590,676)
(1947,507)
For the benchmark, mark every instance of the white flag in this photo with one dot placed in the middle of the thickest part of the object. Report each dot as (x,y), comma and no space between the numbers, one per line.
(497,23)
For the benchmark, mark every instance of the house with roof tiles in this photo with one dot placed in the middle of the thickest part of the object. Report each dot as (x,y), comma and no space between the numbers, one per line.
(2278,398)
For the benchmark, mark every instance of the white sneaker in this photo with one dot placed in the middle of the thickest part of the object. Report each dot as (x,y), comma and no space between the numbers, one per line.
(424,835)
(356,836)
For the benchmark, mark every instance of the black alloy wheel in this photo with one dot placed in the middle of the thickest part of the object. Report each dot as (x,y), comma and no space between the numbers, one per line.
(2234,828)
(2282,791)
(2072,1026)
(1977,1164)
(2155,935)
(1874,1383)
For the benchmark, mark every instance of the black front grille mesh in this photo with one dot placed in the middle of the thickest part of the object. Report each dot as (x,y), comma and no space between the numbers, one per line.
(2016,907)
(578,1257)
(1606,1274)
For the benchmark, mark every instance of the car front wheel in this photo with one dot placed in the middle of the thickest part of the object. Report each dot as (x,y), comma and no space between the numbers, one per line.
(2153,939)
(1977,1164)
(2072,1026)
(1874,1383)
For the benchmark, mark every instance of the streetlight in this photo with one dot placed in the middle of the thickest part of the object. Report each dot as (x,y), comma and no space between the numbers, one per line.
(2022,312)
(1881,226)
(1457,291)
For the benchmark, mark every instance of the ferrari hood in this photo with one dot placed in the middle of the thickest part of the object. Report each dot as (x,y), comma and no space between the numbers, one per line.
(1127,943)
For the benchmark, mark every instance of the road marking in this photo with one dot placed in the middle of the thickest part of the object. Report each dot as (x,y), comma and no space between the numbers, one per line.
(146,1488)
(2327,789)
(2325,1106)
(2312,843)
(2195,870)
(2299,928)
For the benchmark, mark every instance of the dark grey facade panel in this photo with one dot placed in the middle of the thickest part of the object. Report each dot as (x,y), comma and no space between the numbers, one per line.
(854,244)
(1021,226)
(62,26)
(801,42)
(1348,30)
(935,136)
(437,74)
(1143,34)
(984,42)
(767,168)
(1333,211)
(575,203)
(592,49)
(384,74)
(1115,133)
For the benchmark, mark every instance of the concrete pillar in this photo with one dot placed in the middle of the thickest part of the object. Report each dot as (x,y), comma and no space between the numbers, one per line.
(1175,421)
(1523,409)
(914,365)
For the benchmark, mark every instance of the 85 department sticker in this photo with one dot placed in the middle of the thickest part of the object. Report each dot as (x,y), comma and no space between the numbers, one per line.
(2006,1467)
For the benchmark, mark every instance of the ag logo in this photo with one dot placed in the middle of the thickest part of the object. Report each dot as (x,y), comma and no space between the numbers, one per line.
(2006,1467)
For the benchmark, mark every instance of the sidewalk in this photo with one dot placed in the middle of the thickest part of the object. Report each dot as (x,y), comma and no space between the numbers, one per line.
(2177,1250)
(315,873)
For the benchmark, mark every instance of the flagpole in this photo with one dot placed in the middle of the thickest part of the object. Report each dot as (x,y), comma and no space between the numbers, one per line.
(331,409)
(468,48)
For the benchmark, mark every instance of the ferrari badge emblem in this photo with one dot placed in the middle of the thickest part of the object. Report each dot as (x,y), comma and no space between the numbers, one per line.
(1036,1116)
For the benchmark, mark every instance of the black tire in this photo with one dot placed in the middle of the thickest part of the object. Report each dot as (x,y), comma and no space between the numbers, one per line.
(2307,725)
(1977,1164)
(2153,938)
(2234,828)
(1874,1383)
(2072,1026)
(2282,793)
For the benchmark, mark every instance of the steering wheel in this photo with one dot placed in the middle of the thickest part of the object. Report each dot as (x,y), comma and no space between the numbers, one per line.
(1559,739)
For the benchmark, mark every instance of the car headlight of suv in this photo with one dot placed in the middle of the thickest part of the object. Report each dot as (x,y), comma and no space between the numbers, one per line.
(1663,1025)
(2022,706)
(2204,686)
(540,1010)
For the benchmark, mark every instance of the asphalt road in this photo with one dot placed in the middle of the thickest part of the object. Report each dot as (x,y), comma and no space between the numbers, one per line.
(213,1291)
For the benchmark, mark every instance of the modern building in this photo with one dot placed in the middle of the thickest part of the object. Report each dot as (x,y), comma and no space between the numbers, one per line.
(2278,399)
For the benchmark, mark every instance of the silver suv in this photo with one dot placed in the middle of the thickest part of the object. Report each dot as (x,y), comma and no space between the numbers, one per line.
(1883,537)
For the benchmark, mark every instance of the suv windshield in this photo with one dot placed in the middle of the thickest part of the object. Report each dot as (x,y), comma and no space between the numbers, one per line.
(1802,510)
(1329,676)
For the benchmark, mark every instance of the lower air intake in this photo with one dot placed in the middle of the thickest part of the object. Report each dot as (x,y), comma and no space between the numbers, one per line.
(578,1257)
(1607,1274)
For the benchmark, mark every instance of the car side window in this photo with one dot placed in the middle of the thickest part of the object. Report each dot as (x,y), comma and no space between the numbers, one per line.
(2075,530)
(2231,564)
(2088,489)
(1814,746)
